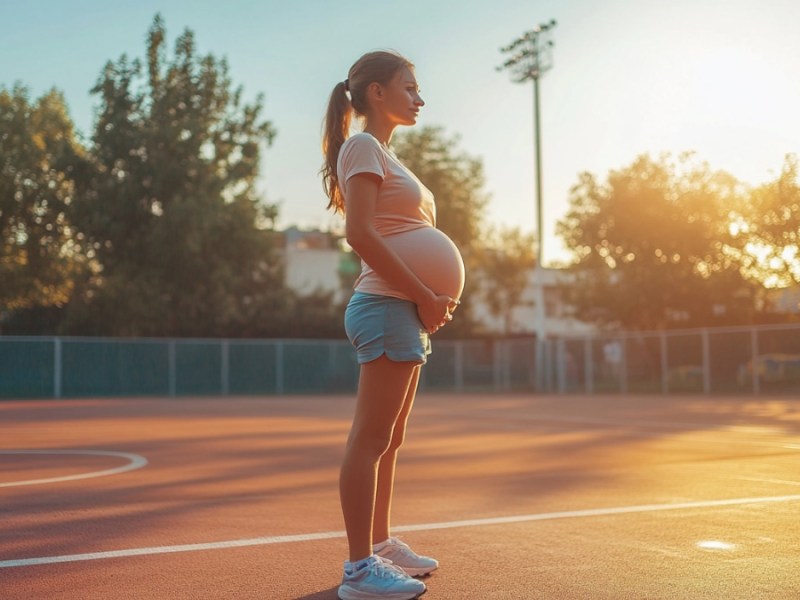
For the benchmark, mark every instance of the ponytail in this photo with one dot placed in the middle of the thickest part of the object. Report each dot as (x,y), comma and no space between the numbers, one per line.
(380,66)
(336,129)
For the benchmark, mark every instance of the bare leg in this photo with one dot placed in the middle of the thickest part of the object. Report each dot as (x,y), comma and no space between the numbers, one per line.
(382,389)
(386,467)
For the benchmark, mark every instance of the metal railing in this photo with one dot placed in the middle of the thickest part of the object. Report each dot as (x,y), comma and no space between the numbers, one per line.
(752,360)
(720,360)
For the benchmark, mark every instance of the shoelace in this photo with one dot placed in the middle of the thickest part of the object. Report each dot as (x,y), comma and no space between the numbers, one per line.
(398,542)
(383,567)
(403,548)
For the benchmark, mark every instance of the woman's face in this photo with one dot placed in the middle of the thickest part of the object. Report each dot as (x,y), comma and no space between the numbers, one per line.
(401,100)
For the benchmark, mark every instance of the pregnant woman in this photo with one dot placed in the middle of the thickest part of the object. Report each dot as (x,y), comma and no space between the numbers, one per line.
(411,279)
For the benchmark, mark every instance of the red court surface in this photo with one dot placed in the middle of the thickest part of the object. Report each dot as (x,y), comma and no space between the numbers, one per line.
(518,496)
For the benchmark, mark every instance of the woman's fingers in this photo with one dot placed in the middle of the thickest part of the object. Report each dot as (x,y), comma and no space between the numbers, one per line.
(432,316)
(444,322)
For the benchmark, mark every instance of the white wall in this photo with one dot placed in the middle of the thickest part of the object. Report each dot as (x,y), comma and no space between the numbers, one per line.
(309,269)
(523,318)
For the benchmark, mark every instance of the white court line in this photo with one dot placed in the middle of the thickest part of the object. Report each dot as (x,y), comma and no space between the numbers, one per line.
(307,537)
(135,461)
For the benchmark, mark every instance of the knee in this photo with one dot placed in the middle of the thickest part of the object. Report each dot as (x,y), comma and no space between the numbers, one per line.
(370,443)
(398,437)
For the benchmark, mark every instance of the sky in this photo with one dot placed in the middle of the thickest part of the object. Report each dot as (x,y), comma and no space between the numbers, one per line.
(716,77)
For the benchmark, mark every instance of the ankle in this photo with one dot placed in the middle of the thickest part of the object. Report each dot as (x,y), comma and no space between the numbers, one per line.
(351,566)
(381,545)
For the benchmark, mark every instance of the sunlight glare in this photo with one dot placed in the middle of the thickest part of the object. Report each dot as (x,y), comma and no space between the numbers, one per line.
(715,545)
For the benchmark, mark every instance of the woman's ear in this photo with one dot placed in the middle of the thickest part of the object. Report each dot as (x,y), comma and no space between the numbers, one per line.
(375,91)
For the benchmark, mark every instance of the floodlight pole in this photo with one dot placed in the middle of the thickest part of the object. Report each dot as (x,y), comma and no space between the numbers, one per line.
(538,146)
(530,59)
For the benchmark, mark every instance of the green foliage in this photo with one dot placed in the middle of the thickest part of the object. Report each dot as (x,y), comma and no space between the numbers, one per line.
(311,316)
(39,252)
(653,247)
(170,207)
(767,229)
(455,178)
(457,182)
(506,263)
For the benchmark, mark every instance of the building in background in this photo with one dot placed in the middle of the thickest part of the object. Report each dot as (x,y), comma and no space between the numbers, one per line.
(559,320)
(784,300)
(317,261)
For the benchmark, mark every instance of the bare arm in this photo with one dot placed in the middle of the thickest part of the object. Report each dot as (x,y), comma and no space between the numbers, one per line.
(360,199)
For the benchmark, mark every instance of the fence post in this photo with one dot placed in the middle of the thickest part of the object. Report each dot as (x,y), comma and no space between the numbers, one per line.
(588,365)
(664,364)
(507,352)
(706,363)
(561,366)
(549,364)
(172,370)
(754,361)
(623,365)
(225,368)
(57,368)
(279,368)
(497,365)
(458,367)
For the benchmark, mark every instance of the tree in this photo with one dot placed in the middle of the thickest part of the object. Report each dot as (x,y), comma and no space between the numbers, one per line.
(652,246)
(40,255)
(457,181)
(455,178)
(505,266)
(767,229)
(315,315)
(181,239)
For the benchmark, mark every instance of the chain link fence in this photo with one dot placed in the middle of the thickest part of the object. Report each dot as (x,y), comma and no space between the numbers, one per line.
(749,360)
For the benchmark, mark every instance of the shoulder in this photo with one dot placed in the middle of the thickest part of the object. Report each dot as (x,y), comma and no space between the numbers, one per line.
(362,153)
(362,141)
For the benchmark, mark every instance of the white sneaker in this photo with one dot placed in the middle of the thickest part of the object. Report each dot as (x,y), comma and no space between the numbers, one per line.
(404,557)
(378,579)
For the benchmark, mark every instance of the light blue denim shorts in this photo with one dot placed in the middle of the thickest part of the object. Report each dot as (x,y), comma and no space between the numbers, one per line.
(377,325)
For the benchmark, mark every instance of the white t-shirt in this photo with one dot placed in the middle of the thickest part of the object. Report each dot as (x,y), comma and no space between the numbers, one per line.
(404,203)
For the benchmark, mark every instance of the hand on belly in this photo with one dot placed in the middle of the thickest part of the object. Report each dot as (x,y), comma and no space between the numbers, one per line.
(433,257)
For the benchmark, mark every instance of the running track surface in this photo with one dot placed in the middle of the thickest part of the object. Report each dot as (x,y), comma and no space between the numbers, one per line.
(518,496)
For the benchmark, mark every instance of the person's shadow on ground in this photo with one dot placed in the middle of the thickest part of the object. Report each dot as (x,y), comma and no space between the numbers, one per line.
(329,594)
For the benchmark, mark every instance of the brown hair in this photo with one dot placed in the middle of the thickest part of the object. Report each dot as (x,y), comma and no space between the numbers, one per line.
(379,67)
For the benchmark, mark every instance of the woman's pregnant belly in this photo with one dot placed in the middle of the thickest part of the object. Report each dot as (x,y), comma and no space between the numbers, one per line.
(433,257)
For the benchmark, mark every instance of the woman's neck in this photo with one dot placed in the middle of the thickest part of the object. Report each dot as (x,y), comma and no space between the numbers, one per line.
(380,131)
